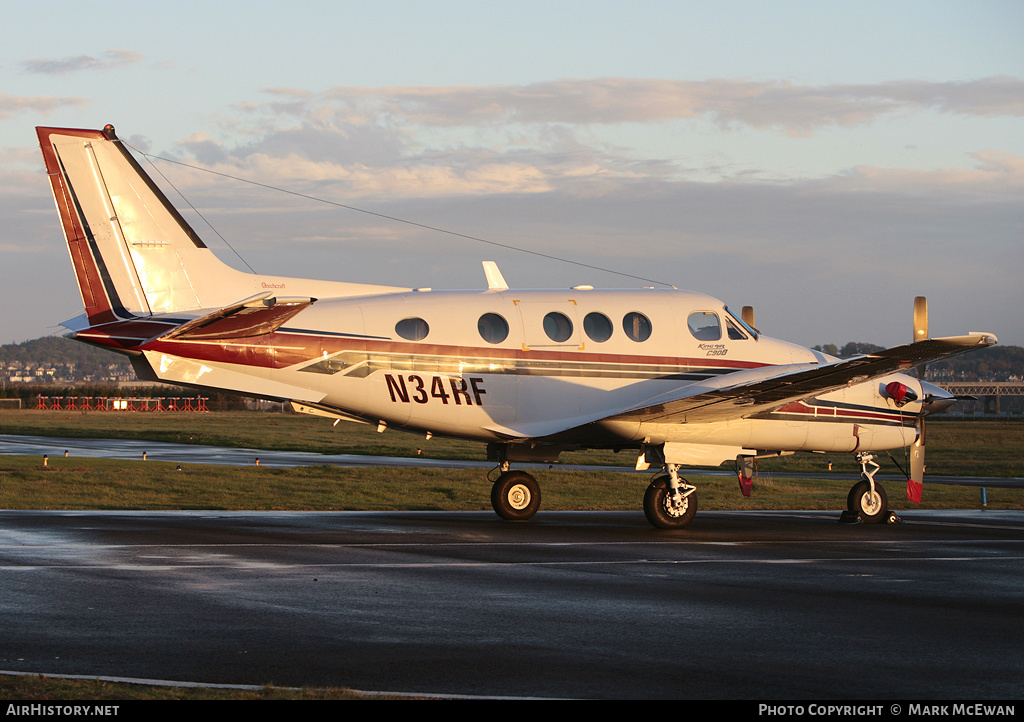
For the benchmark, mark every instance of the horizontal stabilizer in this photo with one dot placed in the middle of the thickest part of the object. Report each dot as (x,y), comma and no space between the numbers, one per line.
(254,316)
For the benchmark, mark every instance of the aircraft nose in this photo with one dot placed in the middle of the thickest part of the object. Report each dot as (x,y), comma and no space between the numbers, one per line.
(936,399)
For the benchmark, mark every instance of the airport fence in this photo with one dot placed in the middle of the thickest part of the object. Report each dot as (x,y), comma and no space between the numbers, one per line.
(122,403)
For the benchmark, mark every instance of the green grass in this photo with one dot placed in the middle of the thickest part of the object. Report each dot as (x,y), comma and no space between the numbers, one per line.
(269,431)
(958,448)
(109,484)
(954,448)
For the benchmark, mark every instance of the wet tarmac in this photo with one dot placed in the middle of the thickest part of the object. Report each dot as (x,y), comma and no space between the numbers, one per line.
(741,605)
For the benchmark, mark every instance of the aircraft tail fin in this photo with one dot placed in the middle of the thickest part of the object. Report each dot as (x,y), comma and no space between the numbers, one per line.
(134,255)
(129,246)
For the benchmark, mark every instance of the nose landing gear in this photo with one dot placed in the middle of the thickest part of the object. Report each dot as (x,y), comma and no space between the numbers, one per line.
(867,501)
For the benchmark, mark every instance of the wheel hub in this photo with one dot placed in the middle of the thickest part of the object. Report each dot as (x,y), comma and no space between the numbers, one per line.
(871,503)
(676,507)
(519,497)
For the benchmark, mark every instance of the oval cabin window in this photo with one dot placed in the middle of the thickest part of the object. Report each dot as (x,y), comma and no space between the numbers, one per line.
(412,329)
(558,327)
(637,326)
(492,327)
(597,326)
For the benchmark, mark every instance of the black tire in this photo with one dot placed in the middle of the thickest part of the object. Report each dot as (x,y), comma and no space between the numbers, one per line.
(659,510)
(515,496)
(872,510)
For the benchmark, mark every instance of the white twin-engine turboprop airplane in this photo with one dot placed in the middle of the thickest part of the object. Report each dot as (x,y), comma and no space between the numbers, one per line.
(675,375)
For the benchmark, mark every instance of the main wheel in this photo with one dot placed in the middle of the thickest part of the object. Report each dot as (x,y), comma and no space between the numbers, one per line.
(872,508)
(662,512)
(515,495)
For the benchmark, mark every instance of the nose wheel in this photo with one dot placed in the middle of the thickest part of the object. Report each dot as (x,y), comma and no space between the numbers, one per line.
(871,505)
(867,501)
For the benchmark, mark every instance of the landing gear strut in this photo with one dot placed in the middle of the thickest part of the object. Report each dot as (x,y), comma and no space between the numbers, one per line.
(670,502)
(867,501)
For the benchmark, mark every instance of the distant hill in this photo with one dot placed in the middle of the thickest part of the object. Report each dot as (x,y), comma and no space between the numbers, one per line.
(71,368)
(996,363)
(88,362)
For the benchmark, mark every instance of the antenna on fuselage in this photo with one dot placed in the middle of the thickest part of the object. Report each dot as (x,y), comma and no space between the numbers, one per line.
(495,281)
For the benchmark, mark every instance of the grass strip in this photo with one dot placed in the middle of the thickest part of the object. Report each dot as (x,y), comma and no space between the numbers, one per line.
(110,484)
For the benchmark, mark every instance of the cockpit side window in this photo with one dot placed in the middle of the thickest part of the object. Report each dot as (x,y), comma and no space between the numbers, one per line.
(704,325)
(752,332)
(734,331)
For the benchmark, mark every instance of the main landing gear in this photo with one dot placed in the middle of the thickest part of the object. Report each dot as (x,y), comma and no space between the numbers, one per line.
(515,495)
(670,502)
(867,501)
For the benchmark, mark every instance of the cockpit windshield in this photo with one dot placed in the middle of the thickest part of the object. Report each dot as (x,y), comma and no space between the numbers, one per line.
(753,333)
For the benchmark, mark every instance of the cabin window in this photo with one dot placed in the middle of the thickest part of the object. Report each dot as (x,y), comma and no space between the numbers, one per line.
(598,327)
(637,326)
(558,327)
(704,326)
(492,327)
(412,329)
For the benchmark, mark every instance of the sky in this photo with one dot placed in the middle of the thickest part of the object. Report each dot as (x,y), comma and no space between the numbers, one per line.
(824,162)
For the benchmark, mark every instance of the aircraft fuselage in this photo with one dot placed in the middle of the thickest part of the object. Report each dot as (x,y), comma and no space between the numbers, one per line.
(498,366)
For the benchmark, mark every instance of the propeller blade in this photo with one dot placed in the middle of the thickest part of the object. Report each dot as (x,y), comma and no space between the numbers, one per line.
(915,484)
(747,314)
(920,325)
(920,318)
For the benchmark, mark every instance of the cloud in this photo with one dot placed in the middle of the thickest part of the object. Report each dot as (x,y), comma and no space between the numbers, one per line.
(422,180)
(11,105)
(64,66)
(998,175)
(778,105)
(375,160)
(431,142)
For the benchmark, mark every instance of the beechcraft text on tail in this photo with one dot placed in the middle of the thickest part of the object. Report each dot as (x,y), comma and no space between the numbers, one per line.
(673,375)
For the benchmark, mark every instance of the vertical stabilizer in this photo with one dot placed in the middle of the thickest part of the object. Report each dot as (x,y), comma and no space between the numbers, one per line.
(134,255)
(128,244)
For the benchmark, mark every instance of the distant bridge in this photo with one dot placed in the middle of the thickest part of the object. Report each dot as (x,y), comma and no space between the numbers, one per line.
(988,393)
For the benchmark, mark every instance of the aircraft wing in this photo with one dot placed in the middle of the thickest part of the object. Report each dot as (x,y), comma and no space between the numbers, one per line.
(749,392)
